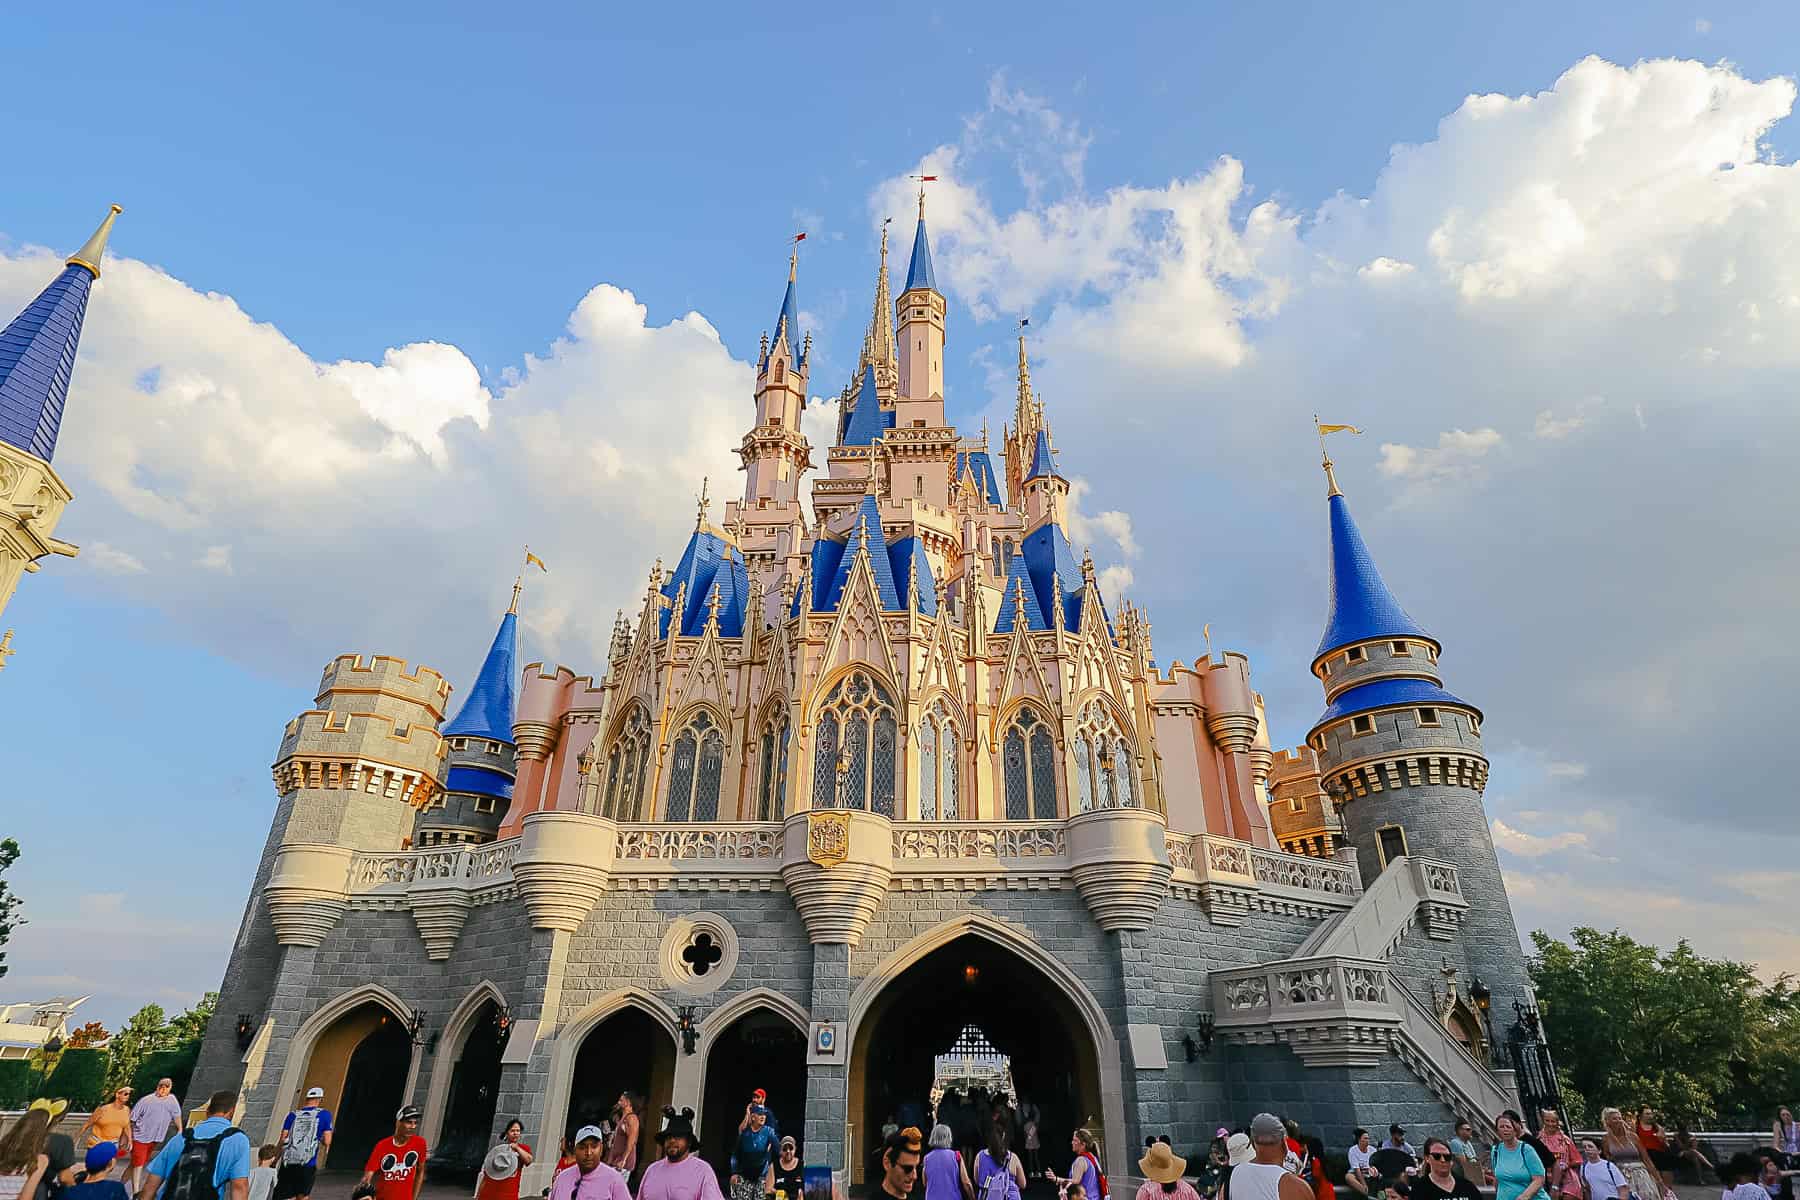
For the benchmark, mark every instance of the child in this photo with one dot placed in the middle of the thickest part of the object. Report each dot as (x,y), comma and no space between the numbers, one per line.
(1077,1192)
(95,1185)
(262,1175)
(1740,1174)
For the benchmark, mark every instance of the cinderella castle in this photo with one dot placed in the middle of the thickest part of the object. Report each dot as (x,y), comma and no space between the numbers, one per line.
(872,771)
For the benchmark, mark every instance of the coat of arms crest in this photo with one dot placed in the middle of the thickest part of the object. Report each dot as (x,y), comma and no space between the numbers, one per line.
(827,837)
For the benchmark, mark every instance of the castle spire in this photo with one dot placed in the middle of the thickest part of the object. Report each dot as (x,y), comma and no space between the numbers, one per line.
(493,698)
(878,342)
(918,272)
(37,351)
(1362,607)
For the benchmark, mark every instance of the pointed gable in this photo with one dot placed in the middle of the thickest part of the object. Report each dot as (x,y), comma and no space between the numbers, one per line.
(493,699)
(978,464)
(1043,463)
(1048,557)
(866,534)
(1362,608)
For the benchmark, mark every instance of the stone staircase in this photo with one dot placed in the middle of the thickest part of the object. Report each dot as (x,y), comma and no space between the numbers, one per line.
(1336,1002)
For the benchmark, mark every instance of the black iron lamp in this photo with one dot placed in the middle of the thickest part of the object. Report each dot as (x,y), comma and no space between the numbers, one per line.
(1206,1022)
(1187,1044)
(415,1027)
(246,1030)
(502,1023)
(688,1025)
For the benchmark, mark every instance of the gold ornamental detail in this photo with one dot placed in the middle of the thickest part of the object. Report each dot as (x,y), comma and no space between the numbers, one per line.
(827,837)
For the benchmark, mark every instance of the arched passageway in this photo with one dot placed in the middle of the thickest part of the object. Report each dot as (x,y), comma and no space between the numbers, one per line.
(361,1060)
(468,1125)
(761,1049)
(1023,1013)
(629,1051)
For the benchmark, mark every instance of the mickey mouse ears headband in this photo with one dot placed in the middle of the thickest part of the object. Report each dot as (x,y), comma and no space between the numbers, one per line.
(54,1107)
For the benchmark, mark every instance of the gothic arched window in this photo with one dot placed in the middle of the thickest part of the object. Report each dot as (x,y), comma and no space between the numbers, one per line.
(853,764)
(626,768)
(1028,763)
(939,753)
(1102,761)
(696,766)
(771,779)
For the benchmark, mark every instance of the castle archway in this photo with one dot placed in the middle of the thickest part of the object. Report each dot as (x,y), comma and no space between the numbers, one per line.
(628,1050)
(467,1127)
(1026,1012)
(362,1060)
(762,1046)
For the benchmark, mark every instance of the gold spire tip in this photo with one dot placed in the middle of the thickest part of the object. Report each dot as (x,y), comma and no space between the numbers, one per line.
(92,250)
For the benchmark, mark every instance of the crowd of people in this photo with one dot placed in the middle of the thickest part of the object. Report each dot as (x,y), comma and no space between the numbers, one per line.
(968,1154)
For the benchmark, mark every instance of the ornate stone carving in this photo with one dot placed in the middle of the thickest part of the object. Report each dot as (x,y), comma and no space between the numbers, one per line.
(1119,859)
(1300,871)
(653,843)
(1308,985)
(1230,857)
(979,841)
(837,900)
(1248,992)
(827,837)
(562,866)
(307,892)
(1180,849)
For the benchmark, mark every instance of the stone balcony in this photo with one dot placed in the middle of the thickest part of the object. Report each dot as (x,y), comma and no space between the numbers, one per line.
(1123,862)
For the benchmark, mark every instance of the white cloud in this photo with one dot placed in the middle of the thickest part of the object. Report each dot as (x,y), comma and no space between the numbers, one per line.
(416,391)
(1702,25)
(1457,456)
(216,558)
(1534,845)
(111,560)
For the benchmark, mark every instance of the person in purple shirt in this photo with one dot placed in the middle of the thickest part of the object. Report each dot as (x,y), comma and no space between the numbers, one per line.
(680,1174)
(589,1178)
(153,1118)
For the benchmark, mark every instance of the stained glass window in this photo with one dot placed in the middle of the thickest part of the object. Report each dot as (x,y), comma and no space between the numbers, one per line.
(865,713)
(681,776)
(1084,797)
(625,768)
(1030,788)
(1043,775)
(1018,802)
(696,770)
(928,770)
(1107,781)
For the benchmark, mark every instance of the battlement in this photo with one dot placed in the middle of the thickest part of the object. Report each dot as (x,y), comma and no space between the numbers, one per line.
(550,692)
(1287,765)
(363,736)
(385,676)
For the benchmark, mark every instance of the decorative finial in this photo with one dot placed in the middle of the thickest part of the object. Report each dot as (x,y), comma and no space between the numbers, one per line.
(713,600)
(1325,455)
(885,222)
(6,650)
(92,249)
(1018,604)
(705,503)
(1087,564)
(923,180)
(519,580)
(912,583)
(984,433)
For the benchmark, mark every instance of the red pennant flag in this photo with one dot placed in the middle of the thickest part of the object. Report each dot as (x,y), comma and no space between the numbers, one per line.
(799,237)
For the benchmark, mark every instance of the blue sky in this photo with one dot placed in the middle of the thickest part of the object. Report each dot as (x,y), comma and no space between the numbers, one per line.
(463,176)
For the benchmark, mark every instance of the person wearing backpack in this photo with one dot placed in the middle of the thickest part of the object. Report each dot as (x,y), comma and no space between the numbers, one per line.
(305,1141)
(995,1167)
(210,1161)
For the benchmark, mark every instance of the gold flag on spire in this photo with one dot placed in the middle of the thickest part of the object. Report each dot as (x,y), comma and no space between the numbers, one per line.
(1325,455)
(531,558)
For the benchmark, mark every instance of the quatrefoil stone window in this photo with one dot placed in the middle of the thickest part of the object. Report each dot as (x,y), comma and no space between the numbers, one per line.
(699,953)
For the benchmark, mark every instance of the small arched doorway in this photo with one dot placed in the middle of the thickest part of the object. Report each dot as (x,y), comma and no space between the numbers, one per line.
(468,1124)
(761,1049)
(362,1061)
(1023,1014)
(629,1051)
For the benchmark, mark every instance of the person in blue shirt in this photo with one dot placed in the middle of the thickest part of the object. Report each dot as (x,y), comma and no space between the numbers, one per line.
(96,1186)
(231,1171)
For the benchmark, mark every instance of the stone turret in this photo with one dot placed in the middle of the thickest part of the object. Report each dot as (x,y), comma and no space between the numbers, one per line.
(920,313)
(1402,757)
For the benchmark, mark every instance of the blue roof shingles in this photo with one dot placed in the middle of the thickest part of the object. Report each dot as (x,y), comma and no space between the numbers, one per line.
(826,554)
(867,421)
(866,533)
(908,557)
(37,356)
(493,700)
(1043,463)
(789,319)
(1048,557)
(478,781)
(918,272)
(1019,585)
(707,561)
(978,463)
(1362,608)
(1390,693)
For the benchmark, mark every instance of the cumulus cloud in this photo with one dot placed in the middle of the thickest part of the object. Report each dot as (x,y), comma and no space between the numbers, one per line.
(1457,456)
(1534,845)
(111,560)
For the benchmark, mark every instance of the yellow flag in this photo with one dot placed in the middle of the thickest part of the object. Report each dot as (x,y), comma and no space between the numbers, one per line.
(532,558)
(1325,429)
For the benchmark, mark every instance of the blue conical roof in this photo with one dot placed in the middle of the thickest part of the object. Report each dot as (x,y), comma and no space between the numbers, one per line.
(867,420)
(493,700)
(1043,463)
(1019,586)
(918,272)
(1362,608)
(37,356)
(708,561)
(866,533)
(789,319)
(909,559)
(981,466)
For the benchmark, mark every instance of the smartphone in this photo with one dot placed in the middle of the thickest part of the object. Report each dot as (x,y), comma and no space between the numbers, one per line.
(817,1182)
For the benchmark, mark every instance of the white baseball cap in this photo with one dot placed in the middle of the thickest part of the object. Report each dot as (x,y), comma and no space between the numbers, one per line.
(315,1093)
(589,1131)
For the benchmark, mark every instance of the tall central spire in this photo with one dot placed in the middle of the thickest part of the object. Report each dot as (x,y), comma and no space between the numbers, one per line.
(878,342)
(918,272)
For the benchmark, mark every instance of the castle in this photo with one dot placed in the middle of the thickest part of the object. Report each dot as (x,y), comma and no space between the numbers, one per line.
(860,782)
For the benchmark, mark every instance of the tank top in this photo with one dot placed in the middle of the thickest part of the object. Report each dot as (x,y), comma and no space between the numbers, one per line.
(1003,1188)
(621,1155)
(12,1185)
(943,1175)
(1257,1181)
(1622,1151)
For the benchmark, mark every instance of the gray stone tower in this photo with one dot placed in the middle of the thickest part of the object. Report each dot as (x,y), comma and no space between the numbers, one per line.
(1402,759)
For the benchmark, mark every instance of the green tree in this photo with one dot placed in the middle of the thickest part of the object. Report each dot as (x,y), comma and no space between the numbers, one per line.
(88,1036)
(9,903)
(1629,1024)
(190,1026)
(79,1078)
(143,1033)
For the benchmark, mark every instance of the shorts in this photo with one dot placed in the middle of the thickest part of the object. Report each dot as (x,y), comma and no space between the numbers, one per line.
(294,1179)
(143,1152)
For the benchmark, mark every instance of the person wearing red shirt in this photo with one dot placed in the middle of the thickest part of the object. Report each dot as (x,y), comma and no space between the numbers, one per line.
(396,1165)
(506,1162)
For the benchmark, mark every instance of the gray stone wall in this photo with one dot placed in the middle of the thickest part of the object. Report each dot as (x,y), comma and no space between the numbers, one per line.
(1330,1102)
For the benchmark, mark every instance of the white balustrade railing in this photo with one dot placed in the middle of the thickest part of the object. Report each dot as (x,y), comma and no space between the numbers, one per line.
(1220,860)
(969,841)
(491,862)
(748,842)
(1305,990)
